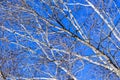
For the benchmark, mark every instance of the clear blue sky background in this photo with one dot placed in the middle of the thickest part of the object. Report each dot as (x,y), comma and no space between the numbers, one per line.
(82,16)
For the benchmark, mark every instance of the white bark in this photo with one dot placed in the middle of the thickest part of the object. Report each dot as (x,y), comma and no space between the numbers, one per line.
(110,25)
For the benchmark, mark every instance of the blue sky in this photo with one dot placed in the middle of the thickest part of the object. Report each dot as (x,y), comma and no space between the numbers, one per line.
(91,24)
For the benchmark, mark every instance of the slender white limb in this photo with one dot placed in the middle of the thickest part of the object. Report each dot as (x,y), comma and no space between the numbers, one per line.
(39,44)
(112,27)
(74,4)
(109,66)
(75,23)
(73,20)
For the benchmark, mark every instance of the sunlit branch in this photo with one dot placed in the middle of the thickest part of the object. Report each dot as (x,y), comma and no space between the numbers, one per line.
(76,4)
(112,27)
